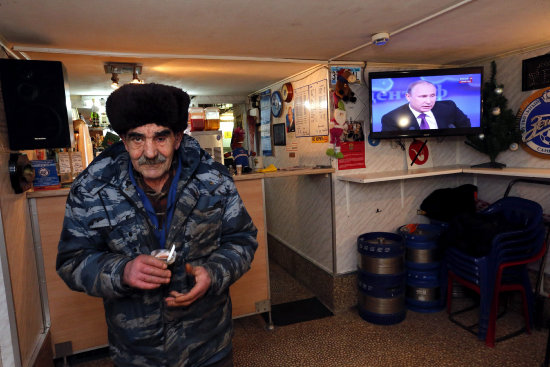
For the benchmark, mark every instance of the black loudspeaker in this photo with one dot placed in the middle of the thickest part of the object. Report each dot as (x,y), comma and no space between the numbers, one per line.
(37,104)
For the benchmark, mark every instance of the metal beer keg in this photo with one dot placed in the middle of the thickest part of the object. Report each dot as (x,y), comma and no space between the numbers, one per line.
(425,280)
(381,278)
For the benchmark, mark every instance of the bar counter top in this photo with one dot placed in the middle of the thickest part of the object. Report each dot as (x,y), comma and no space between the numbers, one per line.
(284,172)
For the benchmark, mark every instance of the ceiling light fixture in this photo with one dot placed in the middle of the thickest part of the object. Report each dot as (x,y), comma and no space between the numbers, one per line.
(114,80)
(117,68)
(136,79)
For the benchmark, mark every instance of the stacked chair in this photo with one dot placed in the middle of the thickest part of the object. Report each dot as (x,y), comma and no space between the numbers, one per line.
(503,269)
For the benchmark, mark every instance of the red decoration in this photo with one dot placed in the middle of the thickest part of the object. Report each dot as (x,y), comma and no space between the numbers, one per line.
(419,150)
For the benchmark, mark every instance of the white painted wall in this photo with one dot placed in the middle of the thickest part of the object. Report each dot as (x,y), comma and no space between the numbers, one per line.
(298,208)
(355,205)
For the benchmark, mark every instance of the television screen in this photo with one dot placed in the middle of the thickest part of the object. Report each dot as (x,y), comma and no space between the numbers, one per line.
(424,103)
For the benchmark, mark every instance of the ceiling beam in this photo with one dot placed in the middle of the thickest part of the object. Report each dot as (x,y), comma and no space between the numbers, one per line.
(7,49)
(161,56)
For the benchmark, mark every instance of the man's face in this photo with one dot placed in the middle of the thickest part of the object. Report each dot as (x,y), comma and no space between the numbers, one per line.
(422,97)
(151,148)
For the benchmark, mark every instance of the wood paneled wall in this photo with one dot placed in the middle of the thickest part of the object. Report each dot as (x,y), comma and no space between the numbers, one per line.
(20,259)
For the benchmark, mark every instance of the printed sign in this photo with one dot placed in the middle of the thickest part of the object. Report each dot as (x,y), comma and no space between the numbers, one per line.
(534,121)
(64,163)
(418,155)
(354,155)
(319,139)
(356,71)
(45,173)
(311,108)
(292,147)
(265,122)
(535,73)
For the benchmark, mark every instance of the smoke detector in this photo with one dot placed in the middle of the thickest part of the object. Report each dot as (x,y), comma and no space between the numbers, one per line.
(380,39)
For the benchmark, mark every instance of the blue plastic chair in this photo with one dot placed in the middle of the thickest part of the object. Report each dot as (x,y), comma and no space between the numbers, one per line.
(503,269)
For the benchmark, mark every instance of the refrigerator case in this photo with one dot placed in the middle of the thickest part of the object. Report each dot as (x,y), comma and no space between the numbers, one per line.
(211,141)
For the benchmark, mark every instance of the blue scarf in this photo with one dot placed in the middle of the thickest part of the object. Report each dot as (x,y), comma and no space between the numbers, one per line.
(160,232)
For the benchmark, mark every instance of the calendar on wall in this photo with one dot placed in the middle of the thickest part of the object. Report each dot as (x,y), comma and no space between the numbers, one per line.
(311,109)
(265,123)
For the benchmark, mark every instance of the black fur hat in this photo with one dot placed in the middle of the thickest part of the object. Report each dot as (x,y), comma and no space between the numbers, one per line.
(134,105)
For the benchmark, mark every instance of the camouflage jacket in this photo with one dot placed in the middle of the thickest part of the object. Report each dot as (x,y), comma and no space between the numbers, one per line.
(106,226)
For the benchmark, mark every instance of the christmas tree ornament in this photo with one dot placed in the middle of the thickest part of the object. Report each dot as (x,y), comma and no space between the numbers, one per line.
(496,111)
(499,90)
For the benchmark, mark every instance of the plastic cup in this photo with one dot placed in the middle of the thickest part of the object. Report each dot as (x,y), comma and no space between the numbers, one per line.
(258,162)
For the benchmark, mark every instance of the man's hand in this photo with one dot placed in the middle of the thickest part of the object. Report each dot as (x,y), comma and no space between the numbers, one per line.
(146,272)
(202,283)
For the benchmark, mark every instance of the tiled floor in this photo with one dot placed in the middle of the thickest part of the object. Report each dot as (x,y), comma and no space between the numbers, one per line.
(346,340)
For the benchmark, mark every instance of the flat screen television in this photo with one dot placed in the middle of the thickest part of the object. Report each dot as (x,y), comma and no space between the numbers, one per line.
(449,99)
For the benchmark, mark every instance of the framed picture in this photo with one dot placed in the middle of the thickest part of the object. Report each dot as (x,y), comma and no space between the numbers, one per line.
(279,134)
(535,73)
(265,123)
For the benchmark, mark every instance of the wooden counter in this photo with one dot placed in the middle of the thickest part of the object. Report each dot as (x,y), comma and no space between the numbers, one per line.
(76,320)
(250,294)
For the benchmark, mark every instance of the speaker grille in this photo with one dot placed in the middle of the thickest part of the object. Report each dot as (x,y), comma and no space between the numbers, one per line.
(37,104)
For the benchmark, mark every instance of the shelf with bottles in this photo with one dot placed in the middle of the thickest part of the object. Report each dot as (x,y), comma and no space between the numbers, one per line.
(98,123)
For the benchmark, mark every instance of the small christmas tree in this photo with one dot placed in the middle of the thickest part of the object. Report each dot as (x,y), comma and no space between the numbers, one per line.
(500,129)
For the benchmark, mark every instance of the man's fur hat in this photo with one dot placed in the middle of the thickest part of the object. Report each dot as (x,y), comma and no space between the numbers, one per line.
(134,105)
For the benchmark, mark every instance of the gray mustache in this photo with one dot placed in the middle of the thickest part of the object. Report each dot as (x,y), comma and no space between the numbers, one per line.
(151,161)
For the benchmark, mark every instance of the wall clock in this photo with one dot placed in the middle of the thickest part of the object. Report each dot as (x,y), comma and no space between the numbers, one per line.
(287,91)
(276,104)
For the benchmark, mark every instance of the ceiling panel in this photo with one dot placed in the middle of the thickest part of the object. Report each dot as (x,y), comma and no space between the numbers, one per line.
(194,44)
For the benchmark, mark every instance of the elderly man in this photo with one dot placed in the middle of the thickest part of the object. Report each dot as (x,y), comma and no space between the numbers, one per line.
(157,189)
(423,112)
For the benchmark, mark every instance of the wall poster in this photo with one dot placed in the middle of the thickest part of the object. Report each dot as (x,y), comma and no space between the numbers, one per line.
(265,122)
(535,73)
(352,146)
(311,109)
(290,118)
(356,71)
(354,155)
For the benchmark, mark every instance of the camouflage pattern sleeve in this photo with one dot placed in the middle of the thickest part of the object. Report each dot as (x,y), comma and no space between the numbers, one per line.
(84,261)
